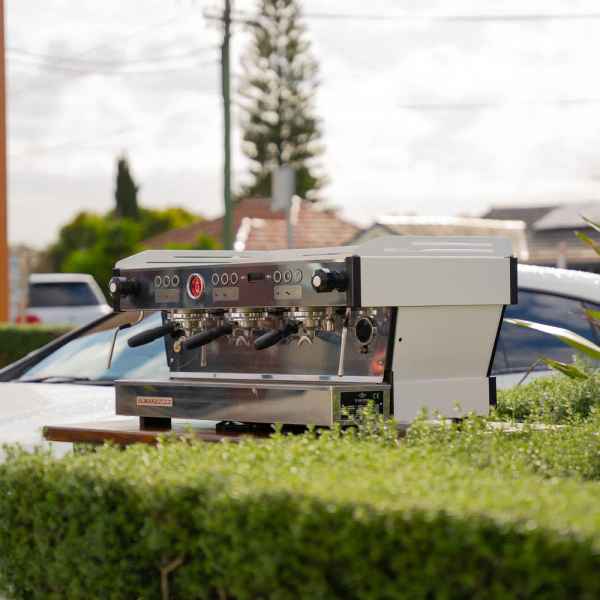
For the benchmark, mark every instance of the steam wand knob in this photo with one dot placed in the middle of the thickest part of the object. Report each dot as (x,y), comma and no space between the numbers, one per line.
(324,280)
(121,286)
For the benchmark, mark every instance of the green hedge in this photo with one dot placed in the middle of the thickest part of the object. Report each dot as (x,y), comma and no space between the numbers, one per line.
(551,399)
(17,341)
(327,518)
(571,449)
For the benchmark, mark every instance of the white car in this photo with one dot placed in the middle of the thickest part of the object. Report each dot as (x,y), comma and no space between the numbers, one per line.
(554,297)
(64,299)
(68,381)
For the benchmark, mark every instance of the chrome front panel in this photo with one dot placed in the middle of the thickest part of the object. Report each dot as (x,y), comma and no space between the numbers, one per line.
(295,357)
(281,402)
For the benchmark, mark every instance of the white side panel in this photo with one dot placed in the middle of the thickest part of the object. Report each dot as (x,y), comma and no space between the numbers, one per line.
(430,281)
(452,398)
(441,357)
(441,342)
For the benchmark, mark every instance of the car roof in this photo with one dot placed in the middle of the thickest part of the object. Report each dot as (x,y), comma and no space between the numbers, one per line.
(60,277)
(565,282)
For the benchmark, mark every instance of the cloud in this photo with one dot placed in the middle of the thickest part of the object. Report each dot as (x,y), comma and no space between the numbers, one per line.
(498,133)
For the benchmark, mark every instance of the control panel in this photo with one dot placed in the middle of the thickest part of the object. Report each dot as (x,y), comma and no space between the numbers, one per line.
(239,285)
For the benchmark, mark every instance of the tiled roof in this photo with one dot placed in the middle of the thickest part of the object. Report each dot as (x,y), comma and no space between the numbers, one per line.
(256,227)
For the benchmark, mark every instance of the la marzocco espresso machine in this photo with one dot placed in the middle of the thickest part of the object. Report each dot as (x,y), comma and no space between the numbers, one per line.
(310,336)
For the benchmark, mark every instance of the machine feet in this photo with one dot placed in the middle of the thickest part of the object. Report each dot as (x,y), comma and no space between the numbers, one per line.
(155,423)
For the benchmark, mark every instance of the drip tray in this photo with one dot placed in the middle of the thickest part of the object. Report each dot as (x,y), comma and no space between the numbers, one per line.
(297,403)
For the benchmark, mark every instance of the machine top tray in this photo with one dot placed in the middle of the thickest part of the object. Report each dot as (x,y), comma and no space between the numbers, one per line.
(394,245)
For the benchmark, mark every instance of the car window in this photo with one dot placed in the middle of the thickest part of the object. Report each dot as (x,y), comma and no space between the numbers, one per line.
(500,359)
(522,347)
(67,293)
(86,356)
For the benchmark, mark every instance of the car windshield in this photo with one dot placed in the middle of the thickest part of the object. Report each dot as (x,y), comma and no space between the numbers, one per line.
(85,357)
(63,293)
(519,349)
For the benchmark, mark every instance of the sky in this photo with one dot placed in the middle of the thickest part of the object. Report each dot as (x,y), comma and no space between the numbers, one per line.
(421,114)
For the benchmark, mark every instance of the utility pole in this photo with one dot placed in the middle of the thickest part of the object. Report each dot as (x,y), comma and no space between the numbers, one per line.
(4,290)
(227,219)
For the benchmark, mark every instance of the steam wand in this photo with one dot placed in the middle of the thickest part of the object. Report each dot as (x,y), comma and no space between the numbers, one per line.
(116,333)
(343,344)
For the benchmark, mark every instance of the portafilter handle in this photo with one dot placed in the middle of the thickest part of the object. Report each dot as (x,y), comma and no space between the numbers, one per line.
(205,337)
(276,335)
(145,337)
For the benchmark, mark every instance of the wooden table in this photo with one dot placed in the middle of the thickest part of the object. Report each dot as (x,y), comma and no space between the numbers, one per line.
(128,431)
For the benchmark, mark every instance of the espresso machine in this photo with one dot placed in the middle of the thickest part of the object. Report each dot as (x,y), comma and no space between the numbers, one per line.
(311,336)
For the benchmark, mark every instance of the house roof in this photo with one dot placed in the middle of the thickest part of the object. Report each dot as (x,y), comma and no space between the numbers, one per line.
(569,216)
(257,227)
(447,226)
(528,214)
(551,229)
(544,218)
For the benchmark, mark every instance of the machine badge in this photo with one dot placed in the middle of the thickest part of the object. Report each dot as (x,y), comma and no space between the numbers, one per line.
(153,401)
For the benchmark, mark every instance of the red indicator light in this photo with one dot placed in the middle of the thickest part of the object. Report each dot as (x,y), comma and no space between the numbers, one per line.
(195,286)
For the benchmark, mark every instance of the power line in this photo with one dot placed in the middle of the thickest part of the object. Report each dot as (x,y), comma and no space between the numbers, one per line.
(69,144)
(473,18)
(127,38)
(248,19)
(52,58)
(95,71)
(470,106)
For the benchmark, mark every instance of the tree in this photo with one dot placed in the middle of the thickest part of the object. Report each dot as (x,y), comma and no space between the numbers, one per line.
(277,100)
(93,243)
(125,192)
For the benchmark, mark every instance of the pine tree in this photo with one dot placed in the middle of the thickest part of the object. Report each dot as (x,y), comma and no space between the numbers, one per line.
(125,191)
(279,83)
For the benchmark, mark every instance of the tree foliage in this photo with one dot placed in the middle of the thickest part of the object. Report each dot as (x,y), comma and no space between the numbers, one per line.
(92,243)
(126,191)
(277,100)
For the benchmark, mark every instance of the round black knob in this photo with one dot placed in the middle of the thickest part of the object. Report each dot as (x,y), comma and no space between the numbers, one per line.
(364,330)
(121,286)
(324,280)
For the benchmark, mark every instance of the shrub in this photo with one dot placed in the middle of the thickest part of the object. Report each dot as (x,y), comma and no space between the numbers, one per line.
(304,517)
(551,399)
(567,450)
(17,341)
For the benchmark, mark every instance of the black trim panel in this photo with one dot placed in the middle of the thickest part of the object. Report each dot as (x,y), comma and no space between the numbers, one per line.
(491,364)
(353,270)
(514,283)
(493,394)
(388,374)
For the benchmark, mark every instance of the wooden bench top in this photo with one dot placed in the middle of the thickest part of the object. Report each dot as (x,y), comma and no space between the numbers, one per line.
(127,431)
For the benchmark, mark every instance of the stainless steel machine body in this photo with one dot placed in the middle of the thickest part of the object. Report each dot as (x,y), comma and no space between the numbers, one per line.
(310,336)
